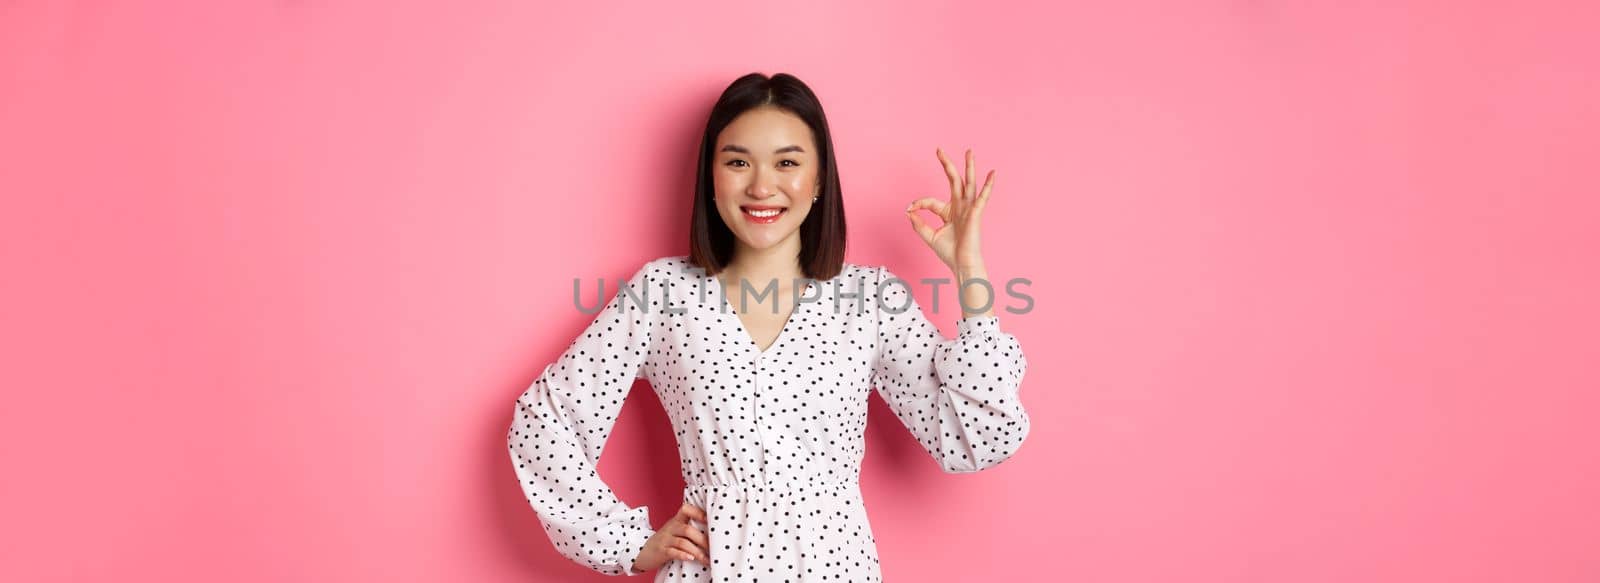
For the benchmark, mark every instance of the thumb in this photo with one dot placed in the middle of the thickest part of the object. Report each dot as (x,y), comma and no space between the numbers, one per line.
(692,512)
(921,227)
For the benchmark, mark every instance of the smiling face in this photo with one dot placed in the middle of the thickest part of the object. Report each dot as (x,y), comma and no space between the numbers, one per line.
(765,173)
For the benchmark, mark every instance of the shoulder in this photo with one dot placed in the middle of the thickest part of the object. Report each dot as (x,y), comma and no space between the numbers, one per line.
(874,274)
(665,262)
(876,283)
(884,294)
(861,271)
(668,268)
(857,279)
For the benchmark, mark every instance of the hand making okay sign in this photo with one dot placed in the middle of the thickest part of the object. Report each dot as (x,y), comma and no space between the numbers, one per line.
(956,241)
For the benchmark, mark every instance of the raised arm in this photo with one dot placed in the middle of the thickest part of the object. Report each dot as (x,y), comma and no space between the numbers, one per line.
(561,425)
(958,396)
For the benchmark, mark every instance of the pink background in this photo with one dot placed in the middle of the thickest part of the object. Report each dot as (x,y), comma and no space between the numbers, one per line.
(1315,285)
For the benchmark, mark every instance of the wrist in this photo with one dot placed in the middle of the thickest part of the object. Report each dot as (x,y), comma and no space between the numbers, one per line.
(964,272)
(974,292)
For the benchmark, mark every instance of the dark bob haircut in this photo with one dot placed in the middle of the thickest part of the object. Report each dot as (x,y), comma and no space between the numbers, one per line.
(822,239)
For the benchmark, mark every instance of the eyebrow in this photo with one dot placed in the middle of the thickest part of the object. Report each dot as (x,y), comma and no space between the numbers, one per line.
(743,150)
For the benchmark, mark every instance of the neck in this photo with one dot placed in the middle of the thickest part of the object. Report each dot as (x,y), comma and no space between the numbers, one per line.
(779,262)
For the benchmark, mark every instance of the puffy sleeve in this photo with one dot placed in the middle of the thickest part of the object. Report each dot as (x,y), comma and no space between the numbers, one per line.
(958,396)
(560,427)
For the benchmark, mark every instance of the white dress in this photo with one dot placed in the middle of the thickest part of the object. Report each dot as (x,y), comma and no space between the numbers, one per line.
(770,442)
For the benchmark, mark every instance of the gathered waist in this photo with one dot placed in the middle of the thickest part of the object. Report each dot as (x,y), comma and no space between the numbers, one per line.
(733,504)
(796,485)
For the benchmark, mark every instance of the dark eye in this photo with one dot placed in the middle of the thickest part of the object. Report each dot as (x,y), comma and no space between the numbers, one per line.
(731,162)
(795,163)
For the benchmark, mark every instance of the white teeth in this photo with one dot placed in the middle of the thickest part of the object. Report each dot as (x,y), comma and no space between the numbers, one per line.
(765,213)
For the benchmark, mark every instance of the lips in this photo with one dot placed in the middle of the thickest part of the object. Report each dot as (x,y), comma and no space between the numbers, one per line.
(763,215)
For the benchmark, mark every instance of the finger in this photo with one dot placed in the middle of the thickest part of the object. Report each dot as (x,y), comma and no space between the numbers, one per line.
(983,196)
(700,554)
(681,554)
(695,536)
(922,229)
(970,181)
(695,512)
(693,553)
(933,204)
(688,545)
(951,172)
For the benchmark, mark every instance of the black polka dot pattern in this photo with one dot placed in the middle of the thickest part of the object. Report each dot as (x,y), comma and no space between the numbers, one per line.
(770,442)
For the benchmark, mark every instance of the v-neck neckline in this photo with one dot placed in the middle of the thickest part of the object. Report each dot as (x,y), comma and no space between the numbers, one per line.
(750,339)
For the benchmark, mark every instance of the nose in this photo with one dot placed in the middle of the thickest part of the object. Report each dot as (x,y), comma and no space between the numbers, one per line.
(762,187)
